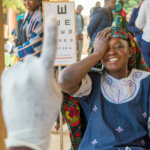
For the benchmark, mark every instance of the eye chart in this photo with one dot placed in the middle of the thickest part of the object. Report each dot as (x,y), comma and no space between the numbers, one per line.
(66,38)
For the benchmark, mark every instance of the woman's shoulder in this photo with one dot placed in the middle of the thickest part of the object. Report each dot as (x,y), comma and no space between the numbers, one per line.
(139,74)
(142,71)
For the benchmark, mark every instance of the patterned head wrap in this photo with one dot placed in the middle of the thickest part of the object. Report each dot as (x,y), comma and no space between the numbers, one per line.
(136,60)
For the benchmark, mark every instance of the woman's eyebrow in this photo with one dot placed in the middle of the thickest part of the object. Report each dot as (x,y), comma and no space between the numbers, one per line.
(119,42)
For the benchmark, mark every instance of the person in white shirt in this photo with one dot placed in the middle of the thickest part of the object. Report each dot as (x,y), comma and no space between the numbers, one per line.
(143,23)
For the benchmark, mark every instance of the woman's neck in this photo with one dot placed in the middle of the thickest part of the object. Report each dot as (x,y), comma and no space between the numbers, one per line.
(119,74)
(31,12)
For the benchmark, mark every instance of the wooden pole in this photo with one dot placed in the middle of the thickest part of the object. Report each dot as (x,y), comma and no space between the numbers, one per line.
(61,131)
(2,126)
(61,122)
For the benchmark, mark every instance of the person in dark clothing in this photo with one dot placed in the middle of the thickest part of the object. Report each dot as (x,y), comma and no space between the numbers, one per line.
(93,9)
(133,28)
(101,19)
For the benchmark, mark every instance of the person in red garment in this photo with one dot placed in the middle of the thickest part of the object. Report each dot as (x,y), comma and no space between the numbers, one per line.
(123,11)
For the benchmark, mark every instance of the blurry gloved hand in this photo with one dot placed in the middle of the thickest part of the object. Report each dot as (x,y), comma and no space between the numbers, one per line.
(31,99)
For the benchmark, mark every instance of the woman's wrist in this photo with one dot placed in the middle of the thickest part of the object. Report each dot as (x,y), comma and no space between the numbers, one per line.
(97,56)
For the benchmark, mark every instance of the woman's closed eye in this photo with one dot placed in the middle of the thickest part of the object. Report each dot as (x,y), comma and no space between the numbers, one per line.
(116,47)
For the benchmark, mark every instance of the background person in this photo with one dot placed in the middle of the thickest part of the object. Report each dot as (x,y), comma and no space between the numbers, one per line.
(8,56)
(123,11)
(79,30)
(115,118)
(143,23)
(94,9)
(101,19)
(131,25)
(29,34)
(118,19)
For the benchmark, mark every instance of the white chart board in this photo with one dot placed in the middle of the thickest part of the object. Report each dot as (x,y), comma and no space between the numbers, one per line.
(66,40)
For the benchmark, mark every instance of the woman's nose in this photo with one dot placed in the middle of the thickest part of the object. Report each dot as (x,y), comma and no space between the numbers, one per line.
(112,50)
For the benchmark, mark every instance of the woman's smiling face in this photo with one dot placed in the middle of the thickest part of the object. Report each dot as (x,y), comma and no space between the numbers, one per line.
(116,58)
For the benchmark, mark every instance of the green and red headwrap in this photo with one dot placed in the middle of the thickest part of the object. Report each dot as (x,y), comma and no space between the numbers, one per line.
(136,60)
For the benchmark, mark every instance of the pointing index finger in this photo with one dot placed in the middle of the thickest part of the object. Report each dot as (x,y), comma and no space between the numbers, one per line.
(49,47)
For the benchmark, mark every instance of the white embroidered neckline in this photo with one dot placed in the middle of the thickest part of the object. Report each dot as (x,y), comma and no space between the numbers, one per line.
(123,90)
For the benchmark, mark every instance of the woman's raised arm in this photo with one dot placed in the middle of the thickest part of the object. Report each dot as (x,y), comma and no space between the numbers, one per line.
(70,78)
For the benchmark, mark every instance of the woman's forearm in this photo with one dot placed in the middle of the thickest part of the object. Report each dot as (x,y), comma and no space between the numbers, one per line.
(70,78)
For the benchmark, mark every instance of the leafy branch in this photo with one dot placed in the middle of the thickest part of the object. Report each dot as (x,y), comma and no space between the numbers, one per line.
(16,5)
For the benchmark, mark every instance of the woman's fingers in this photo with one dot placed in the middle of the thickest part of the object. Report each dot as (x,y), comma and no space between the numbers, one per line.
(108,36)
(104,33)
(98,34)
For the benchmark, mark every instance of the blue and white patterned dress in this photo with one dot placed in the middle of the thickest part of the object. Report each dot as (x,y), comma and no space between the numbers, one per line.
(117,111)
(34,34)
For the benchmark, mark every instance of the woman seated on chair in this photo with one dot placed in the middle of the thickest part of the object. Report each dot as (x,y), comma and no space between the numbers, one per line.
(115,101)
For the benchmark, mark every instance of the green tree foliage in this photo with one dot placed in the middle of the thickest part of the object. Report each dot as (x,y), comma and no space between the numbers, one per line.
(16,5)
(130,4)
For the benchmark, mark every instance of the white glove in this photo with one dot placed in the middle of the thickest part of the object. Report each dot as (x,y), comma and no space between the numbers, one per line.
(31,99)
